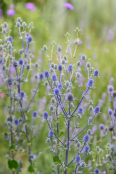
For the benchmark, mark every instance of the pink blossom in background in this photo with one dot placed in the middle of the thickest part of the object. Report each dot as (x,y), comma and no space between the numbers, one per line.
(104,95)
(104,172)
(111,80)
(11,12)
(69,6)
(1,13)
(80,42)
(94,129)
(12,70)
(12,6)
(2,52)
(89,163)
(110,35)
(30,6)
(2,95)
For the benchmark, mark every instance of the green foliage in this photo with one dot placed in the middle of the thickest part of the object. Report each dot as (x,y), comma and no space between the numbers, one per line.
(31,169)
(12,164)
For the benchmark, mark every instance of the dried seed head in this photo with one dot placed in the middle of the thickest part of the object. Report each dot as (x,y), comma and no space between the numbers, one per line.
(111,128)
(114,93)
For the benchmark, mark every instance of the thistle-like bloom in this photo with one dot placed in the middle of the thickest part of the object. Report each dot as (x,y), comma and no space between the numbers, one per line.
(10,80)
(15,64)
(56,91)
(35,114)
(60,67)
(16,122)
(54,77)
(80,110)
(96,73)
(86,138)
(21,61)
(69,6)
(46,74)
(96,171)
(29,39)
(70,97)
(97,110)
(60,86)
(70,68)
(90,83)
(87,149)
(45,115)
(51,134)
(41,76)
(110,111)
(112,147)
(22,94)
(101,127)
(77,159)
(32,156)
(10,38)
(110,88)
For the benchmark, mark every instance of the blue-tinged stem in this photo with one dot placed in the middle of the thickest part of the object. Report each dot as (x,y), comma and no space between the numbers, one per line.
(33,97)
(78,154)
(84,128)
(63,109)
(75,128)
(84,95)
(54,133)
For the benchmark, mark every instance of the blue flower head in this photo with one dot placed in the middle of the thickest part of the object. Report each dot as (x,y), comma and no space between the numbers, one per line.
(32,156)
(97,110)
(51,134)
(45,115)
(26,34)
(87,149)
(96,73)
(112,147)
(77,159)
(15,64)
(54,77)
(80,110)
(10,80)
(101,127)
(21,61)
(35,114)
(60,67)
(60,86)
(46,74)
(70,97)
(22,94)
(29,39)
(70,68)
(110,88)
(16,122)
(90,83)
(56,91)
(110,111)
(86,138)
(41,76)
(96,171)
(10,38)
(1,60)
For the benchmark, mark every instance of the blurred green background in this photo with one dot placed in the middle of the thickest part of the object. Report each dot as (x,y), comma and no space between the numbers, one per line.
(97,22)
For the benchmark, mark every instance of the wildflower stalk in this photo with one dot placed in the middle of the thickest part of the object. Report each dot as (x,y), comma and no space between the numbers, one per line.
(68,132)
(84,128)
(58,168)
(25,126)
